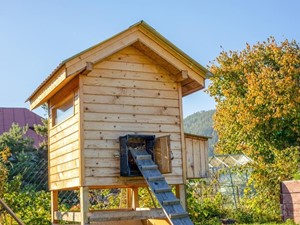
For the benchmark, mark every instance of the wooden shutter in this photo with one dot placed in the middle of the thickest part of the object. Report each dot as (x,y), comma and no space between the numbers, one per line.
(196,156)
(162,154)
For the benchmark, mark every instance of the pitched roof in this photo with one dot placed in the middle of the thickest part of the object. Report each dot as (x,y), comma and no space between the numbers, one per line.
(67,68)
(23,117)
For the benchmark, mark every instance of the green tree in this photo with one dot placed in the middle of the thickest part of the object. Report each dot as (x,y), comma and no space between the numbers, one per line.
(20,157)
(257,91)
(23,177)
(3,173)
(16,140)
(42,130)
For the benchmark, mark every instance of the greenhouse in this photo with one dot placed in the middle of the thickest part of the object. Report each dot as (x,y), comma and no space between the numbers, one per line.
(229,178)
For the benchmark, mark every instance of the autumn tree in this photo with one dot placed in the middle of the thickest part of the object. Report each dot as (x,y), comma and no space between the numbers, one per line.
(257,91)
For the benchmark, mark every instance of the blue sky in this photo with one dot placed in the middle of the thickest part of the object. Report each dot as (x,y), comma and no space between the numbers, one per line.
(37,35)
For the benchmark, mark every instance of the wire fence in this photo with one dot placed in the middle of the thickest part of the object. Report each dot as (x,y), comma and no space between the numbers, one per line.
(33,174)
(26,192)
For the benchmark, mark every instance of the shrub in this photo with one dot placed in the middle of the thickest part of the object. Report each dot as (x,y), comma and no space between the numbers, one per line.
(205,206)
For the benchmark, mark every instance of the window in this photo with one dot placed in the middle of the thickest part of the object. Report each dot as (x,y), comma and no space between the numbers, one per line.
(63,110)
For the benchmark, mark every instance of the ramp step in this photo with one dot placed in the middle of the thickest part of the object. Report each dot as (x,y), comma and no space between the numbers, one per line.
(149,167)
(160,190)
(143,157)
(155,178)
(178,215)
(159,186)
(171,202)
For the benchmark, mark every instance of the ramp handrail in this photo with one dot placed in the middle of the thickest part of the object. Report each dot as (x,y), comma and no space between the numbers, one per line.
(6,207)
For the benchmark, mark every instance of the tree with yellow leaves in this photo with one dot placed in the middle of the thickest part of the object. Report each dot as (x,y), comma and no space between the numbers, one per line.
(257,91)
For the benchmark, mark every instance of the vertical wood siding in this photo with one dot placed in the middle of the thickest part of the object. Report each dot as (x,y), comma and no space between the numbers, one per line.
(197,157)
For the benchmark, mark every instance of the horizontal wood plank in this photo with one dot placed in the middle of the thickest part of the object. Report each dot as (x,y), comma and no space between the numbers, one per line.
(133,57)
(67,216)
(126,181)
(136,101)
(121,215)
(66,158)
(62,126)
(123,91)
(65,184)
(111,135)
(129,50)
(137,84)
(131,66)
(141,127)
(65,141)
(115,171)
(114,144)
(130,118)
(131,109)
(65,175)
(132,75)
(64,166)
(115,162)
(115,153)
(73,128)
(70,147)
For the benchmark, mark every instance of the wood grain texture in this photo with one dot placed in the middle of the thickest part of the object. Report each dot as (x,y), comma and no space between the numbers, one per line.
(63,143)
(124,94)
(196,154)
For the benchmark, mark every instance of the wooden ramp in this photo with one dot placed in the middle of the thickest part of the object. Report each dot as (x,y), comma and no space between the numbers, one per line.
(158,185)
(7,209)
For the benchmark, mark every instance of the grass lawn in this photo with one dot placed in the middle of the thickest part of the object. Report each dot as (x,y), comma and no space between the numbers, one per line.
(287,223)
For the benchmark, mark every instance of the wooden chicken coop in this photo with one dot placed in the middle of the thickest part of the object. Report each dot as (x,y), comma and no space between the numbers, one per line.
(115,121)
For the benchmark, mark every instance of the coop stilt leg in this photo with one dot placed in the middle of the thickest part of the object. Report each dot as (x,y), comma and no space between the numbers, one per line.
(54,205)
(135,200)
(84,205)
(181,194)
(129,198)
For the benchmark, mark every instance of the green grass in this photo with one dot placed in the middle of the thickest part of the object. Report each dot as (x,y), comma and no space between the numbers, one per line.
(286,223)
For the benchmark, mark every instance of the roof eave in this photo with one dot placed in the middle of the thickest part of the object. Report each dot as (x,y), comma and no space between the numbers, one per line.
(202,71)
(192,63)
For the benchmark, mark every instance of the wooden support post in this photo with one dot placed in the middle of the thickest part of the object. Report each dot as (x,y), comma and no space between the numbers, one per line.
(129,198)
(181,194)
(54,205)
(84,205)
(135,198)
(183,149)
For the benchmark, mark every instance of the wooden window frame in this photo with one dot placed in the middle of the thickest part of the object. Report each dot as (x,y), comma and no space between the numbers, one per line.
(55,107)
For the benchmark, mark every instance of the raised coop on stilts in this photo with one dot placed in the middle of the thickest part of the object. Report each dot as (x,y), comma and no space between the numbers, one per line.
(116,121)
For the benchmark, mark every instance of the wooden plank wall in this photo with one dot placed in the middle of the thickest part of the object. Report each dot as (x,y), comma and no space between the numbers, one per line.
(197,157)
(64,145)
(290,200)
(127,94)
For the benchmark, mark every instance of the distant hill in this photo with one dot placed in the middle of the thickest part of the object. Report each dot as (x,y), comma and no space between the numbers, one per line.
(201,123)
